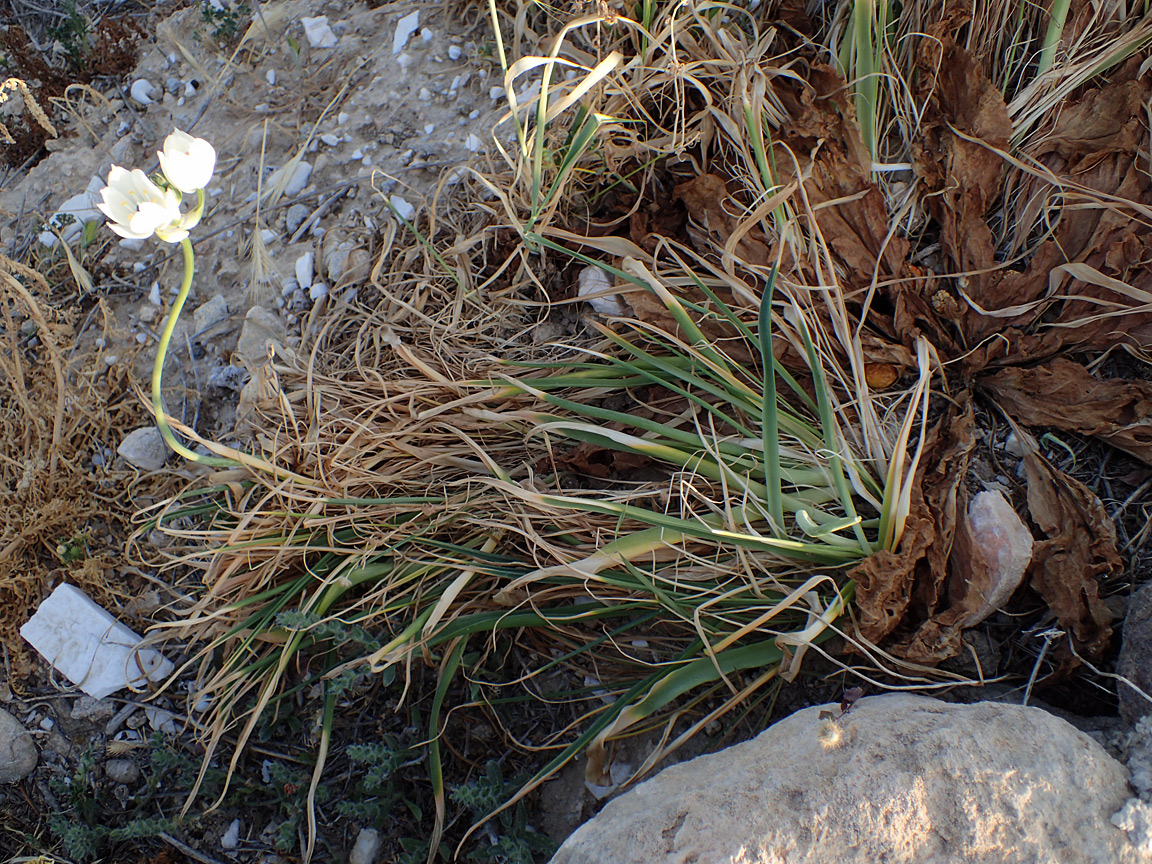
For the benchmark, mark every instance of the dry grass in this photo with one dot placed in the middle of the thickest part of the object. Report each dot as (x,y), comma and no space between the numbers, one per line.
(435,514)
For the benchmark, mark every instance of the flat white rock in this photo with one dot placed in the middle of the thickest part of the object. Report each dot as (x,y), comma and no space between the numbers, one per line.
(318,33)
(900,779)
(89,647)
(304,269)
(405,27)
(406,210)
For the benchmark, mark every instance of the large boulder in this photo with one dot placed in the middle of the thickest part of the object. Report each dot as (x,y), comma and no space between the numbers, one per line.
(899,779)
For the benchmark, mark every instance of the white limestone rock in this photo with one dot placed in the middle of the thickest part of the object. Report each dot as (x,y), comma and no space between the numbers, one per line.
(901,779)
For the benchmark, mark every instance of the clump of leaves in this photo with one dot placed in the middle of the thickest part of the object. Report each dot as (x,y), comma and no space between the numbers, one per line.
(510,839)
(376,792)
(289,788)
(79,826)
(73,34)
(222,24)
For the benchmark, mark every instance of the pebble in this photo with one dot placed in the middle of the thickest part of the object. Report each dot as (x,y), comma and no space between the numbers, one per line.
(330,139)
(300,175)
(227,377)
(143,448)
(495,93)
(122,771)
(402,207)
(142,91)
(472,143)
(367,847)
(91,708)
(305,267)
(454,52)
(317,290)
(318,33)
(295,217)
(405,27)
(210,313)
(270,76)
(20,751)
(230,839)
(154,294)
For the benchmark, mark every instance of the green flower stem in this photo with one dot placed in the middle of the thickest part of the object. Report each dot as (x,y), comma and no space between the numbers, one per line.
(158,369)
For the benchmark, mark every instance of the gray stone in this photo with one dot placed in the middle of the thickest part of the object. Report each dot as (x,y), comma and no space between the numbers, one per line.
(211,313)
(91,708)
(18,754)
(1135,660)
(900,779)
(144,448)
(261,329)
(295,217)
(122,771)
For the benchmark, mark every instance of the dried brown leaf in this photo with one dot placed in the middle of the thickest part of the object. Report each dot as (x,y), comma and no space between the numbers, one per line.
(1079,551)
(1062,394)
(902,589)
(961,175)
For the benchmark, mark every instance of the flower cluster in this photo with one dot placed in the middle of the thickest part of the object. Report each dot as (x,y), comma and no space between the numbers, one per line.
(137,207)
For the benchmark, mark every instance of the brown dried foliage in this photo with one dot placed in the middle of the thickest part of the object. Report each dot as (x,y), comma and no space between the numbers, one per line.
(54,414)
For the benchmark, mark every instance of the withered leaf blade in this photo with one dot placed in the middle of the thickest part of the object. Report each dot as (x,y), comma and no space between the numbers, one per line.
(905,587)
(1064,395)
(1079,551)
(965,120)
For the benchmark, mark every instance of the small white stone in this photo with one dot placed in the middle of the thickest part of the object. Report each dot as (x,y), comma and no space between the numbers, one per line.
(317,290)
(154,294)
(472,143)
(366,161)
(141,338)
(267,235)
(142,91)
(425,94)
(189,89)
(318,33)
(367,848)
(305,269)
(231,838)
(342,118)
(427,35)
(100,343)
(454,52)
(47,723)
(299,179)
(495,93)
(110,359)
(594,281)
(405,27)
(429,128)
(357,154)
(330,139)
(270,76)
(472,115)
(406,210)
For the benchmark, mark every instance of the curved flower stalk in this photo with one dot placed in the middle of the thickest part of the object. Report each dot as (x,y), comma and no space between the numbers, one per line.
(137,207)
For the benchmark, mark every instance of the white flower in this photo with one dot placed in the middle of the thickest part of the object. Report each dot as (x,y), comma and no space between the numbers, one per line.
(137,208)
(187,162)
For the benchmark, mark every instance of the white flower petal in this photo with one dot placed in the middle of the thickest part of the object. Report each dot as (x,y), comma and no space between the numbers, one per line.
(187,162)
